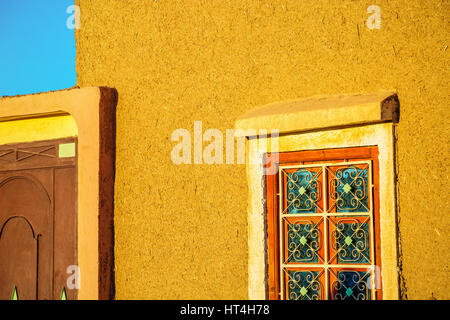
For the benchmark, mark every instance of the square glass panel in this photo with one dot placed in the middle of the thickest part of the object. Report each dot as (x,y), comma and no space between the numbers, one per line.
(348,188)
(304,240)
(305,284)
(303,190)
(349,240)
(350,284)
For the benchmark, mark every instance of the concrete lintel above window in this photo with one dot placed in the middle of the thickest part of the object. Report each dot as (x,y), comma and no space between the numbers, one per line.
(319,113)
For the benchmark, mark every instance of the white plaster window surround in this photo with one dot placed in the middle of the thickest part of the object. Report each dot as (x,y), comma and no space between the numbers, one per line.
(323,122)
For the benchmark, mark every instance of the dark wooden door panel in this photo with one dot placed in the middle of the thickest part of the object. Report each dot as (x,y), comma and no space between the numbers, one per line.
(26,204)
(21,268)
(65,250)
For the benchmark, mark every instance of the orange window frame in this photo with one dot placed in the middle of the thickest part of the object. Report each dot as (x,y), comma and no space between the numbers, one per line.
(272,190)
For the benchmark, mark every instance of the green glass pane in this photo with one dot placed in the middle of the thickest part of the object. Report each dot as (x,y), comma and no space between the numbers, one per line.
(67,150)
(63,294)
(347,188)
(349,292)
(15,295)
(303,291)
(348,240)
(303,240)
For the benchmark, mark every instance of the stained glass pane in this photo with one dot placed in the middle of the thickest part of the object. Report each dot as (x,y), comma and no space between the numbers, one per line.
(349,240)
(63,294)
(15,295)
(303,191)
(350,284)
(304,240)
(304,284)
(348,188)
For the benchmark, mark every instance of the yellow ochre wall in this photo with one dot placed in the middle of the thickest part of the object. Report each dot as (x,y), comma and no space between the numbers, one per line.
(181,231)
(37,129)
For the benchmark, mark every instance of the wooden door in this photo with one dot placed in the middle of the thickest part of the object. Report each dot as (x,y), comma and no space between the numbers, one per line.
(38,219)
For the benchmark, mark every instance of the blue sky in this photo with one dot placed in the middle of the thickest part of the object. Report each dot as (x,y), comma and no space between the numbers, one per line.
(37,50)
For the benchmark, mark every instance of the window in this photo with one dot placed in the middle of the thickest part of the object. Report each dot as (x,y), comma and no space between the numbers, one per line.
(333,132)
(322,222)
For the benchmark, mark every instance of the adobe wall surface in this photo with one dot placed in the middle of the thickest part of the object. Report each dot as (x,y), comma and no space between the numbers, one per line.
(181,231)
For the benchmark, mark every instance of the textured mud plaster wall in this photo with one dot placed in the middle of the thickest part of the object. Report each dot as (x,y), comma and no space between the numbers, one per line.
(181,231)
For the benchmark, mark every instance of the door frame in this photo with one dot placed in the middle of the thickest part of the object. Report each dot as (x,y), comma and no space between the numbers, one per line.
(94,111)
(23,161)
